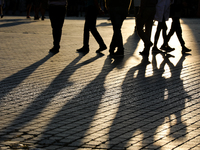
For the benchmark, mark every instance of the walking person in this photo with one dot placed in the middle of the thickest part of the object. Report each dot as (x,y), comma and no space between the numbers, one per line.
(162,15)
(175,12)
(57,12)
(92,11)
(1,7)
(118,10)
(29,4)
(145,19)
(136,9)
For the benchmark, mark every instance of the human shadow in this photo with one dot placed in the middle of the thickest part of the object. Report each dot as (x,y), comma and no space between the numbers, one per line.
(139,95)
(176,98)
(78,113)
(143,107)
(104,24)
(11,82)
(40,102)
(132,43)
(14,22)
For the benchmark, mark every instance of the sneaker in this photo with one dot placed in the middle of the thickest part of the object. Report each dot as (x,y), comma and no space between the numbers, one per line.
(185,50)
(167,48)
(83,50)
(54,50)
(156,50)
(102,48)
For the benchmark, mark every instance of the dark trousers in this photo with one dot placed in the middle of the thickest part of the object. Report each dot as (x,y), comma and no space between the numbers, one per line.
(161,26)
(57,16)
(90,26)
(175,27)
(145,20)
(117,39)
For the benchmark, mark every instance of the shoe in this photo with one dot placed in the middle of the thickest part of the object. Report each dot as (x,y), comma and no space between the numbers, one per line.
(83,50)
(102,48)
(54,50)
(1,16)
(167,48)
(156,50)
(36,18)
(185,50)
(43,18)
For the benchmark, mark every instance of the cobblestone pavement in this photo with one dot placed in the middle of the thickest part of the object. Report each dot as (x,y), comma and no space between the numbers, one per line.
(82,102)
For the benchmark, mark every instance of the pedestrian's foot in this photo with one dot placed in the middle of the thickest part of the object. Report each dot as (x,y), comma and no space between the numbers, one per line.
(1,16)
(185,50)
(102,48)
(167,48)
(156,50)
(83,50)
(54,50)
(36,18)
(28,17)
(43,17)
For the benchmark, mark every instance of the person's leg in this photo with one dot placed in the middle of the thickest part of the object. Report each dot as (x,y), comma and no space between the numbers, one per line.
(147,21)
(117,39)
(93,29)
(180,37)
(158,30)
(178,31)
(165,45)
(86,34)
(57,15)
(1,11)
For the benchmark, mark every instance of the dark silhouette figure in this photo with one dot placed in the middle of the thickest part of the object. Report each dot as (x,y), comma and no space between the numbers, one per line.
(145,19)
(1,8)
(57,12)
(118,10)
(162,15)
(176,11)
(92,11)
(29,4)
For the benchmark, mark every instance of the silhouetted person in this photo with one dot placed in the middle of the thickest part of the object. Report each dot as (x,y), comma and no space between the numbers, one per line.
(175,12)
(1,7)
(118,10)
(29,4)
(162,15)
(92,11)
(57,11)
(136,9)
(145,19)
(43,6)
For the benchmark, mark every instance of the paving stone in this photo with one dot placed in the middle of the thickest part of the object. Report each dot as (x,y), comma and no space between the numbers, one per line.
(75,101)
